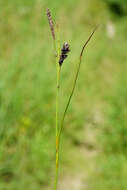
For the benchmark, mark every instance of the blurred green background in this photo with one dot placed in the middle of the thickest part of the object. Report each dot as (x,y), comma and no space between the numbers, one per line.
(94,142)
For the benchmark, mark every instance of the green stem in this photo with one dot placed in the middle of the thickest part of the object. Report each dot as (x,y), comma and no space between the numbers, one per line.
(58,70)
(57,126)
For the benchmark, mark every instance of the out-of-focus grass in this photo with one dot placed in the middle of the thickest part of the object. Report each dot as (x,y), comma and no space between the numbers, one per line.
(27,93)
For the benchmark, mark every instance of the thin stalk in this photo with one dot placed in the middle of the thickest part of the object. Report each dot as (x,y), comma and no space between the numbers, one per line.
(56,43)
(74,85)
(57,126)
(58,71)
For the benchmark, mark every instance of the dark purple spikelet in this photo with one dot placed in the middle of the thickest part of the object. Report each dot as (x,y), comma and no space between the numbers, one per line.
(64,51)
(51,24)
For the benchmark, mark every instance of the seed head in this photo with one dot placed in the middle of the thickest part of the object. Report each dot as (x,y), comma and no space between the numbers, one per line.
(64,51)
(51,24)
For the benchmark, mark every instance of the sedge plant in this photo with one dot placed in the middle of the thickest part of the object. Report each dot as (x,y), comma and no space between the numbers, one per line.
(60,56)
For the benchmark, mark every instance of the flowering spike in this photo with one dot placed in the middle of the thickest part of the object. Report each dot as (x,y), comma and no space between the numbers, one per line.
(64,51)
(51,24)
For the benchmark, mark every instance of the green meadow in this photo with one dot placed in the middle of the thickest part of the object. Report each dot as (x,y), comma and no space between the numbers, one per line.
(93,152)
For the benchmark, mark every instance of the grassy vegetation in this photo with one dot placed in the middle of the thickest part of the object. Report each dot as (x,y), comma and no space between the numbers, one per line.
(27,94)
